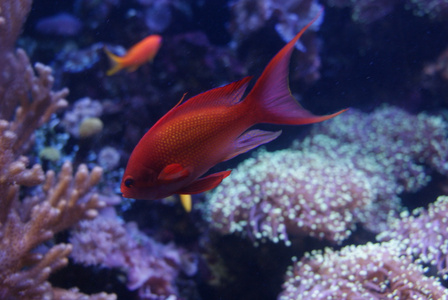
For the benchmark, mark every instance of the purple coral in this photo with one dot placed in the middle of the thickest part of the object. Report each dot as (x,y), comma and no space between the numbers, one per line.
(151,267)
(372,271)
(424,234)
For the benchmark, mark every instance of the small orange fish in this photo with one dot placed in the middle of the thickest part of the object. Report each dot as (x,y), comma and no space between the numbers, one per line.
(210,128)
(142,52)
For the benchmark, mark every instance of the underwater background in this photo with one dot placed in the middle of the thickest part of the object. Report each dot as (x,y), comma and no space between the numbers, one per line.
(350,208)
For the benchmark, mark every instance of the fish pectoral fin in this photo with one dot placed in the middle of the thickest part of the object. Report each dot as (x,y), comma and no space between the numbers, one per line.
(204,184)
(173,172)
(249,140)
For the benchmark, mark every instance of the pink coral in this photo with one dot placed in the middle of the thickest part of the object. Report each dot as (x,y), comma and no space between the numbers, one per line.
(405,146)
(372,271)
(423,233)
(396,150)
(291,193)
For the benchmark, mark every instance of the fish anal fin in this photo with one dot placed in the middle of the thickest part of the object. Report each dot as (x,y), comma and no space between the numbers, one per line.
(250,140)
(173,172)
(204,184)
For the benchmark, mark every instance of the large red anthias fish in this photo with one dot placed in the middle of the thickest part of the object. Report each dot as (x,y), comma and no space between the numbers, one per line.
(210,128)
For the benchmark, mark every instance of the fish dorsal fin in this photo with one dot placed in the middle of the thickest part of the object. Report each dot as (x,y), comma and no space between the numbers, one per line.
(180,101)
(227,95)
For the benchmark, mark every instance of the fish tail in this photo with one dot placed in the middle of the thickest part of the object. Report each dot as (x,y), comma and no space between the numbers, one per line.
(271,97)
(115,62)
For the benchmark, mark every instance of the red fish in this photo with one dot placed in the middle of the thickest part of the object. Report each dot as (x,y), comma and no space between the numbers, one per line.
(210,128)
(142,52)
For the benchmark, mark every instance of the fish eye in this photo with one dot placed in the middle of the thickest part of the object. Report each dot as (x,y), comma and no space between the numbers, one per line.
(128,182)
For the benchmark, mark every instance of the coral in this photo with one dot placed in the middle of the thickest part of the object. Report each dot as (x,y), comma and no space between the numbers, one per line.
(369,11)
(73,61)
(55,205)
(371,271)
(396,150)
(151,267)
(435,76)
(108,158)
(406,147)
(291,193)
(423,234)
(34,205)
(252,15)
(249,16)
(84,109)
(12,16)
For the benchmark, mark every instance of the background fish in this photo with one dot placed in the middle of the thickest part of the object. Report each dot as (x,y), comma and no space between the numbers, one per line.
(141,53)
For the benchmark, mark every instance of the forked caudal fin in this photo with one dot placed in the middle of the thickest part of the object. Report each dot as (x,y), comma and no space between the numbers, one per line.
(115,62)
(271,96)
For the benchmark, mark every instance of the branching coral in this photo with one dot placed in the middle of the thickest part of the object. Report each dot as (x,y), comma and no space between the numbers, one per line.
(12,16)
(54,205)
(51,203)
(372,271)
